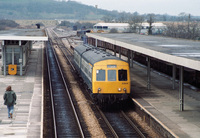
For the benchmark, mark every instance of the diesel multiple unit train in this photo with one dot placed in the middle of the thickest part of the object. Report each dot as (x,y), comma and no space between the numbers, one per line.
(106,76)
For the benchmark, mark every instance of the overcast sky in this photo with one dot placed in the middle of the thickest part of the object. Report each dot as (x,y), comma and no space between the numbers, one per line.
(171,7)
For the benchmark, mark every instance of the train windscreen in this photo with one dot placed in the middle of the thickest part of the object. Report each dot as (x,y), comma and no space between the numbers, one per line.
(100,75)
(111,75)
(122,74)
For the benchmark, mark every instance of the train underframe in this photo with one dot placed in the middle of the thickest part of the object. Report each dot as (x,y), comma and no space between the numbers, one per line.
(100,98)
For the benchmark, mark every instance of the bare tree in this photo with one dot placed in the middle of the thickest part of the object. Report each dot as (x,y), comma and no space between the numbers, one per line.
(135,22)
(195,30)
(123,17)
(113,30)
(170,30)
(108,19)
(182,16)
(151,20)
(187,30)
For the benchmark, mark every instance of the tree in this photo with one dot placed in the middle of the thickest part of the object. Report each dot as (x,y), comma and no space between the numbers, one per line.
(108,19)
(135,22)
(182,16)
(195,30)
(113,30)
(180,30)
(65,23)
(123,17)
(7,23)
(151,20)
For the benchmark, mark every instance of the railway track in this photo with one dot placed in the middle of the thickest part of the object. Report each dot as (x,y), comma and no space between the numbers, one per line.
(118,123)
(66,121)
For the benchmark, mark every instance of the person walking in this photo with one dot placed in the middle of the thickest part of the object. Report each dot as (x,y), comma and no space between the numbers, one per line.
(10,100)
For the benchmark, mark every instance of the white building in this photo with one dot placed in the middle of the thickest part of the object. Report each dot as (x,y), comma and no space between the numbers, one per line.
(157,28)
(106,27)
(125,27)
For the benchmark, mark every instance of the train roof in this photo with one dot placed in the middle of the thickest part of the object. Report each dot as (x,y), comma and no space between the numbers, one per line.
(113,24)
(93,55)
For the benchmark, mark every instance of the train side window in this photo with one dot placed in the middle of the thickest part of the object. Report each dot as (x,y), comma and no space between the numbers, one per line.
(122,74)
(111,75)
(100,75)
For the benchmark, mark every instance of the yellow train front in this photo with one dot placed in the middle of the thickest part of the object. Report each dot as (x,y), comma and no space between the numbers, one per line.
(107,76)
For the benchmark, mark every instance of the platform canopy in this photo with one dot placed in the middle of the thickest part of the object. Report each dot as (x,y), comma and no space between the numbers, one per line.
(24,34)
(180,52)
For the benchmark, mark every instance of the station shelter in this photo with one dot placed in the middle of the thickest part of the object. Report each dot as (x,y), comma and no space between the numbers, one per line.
(16,46)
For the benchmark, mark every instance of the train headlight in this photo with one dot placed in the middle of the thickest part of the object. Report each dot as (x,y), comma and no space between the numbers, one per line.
(119,89)
(124,90)
(99,89)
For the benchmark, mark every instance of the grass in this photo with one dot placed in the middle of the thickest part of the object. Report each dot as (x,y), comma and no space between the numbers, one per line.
(33,22)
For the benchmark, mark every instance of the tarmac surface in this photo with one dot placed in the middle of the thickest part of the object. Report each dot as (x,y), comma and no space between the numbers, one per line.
(23,32)
(27,118)
(162,102)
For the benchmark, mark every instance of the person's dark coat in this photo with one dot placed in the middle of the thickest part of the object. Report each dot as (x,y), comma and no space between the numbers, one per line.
(9,98)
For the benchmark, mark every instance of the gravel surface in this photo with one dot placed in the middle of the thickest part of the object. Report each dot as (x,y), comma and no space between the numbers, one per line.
(143,125)
(84,105)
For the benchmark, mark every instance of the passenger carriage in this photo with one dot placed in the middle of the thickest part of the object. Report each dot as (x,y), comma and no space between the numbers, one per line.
(107,76)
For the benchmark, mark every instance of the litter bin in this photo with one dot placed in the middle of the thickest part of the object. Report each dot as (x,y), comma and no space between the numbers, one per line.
(12,69)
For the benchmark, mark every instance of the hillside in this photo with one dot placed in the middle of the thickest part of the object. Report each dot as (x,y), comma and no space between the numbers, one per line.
(48,9)
(51,10)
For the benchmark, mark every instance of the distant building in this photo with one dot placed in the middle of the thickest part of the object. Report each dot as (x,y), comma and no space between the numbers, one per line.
(157,28)
(106,27)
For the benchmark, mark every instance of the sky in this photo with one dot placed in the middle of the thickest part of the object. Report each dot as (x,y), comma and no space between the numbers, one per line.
(170,7)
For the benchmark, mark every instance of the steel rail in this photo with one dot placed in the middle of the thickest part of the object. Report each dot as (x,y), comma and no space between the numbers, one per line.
(107,123)
(69,95)
(65,49)
(51,94)
(69,41)
(133,125)
(69,44)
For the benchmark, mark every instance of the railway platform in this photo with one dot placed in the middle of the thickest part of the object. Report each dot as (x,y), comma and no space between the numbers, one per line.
(161,103)
(27,118)
(177,110)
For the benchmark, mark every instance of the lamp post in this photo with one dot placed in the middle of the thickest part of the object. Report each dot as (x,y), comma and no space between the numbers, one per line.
(96,6)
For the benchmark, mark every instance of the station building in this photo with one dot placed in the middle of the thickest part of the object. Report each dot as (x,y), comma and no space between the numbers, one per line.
(16,47)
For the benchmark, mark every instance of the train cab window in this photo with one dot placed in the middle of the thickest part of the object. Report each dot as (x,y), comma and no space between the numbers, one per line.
(100,75)
(122,75)
(111,75)
(99,27)
(105,27)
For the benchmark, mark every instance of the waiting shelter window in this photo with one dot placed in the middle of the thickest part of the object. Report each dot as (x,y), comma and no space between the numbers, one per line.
(16,58)
(100,75)
(111,75)
(122,74)
(12,56)
(8,58)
